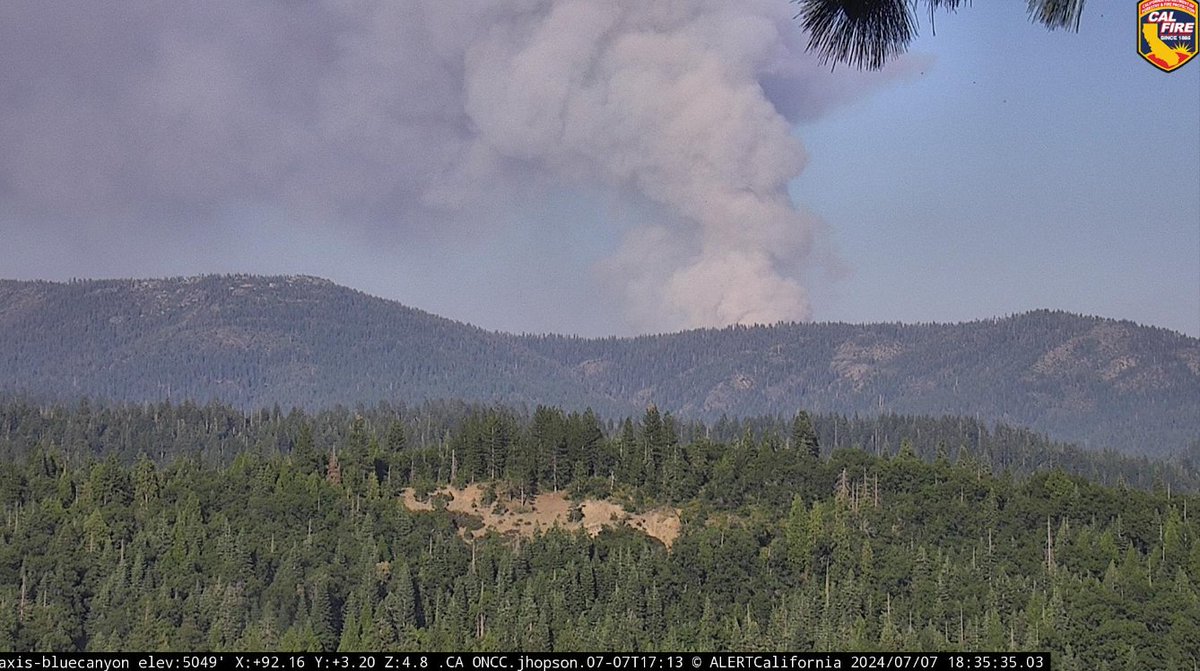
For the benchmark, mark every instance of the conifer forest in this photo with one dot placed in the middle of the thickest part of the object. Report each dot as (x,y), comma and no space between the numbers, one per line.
(185,527)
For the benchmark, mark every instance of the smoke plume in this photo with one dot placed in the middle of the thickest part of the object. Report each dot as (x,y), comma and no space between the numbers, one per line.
(426,117)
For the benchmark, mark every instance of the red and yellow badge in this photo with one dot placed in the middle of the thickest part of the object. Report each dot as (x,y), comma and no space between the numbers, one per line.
(1167,32)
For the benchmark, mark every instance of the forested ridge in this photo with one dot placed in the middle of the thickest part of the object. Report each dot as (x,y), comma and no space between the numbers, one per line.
(215,433)
(265,530)
(259,341)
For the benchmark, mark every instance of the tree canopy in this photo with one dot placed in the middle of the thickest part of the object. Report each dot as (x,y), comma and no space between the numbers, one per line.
(261,547)
(868,33)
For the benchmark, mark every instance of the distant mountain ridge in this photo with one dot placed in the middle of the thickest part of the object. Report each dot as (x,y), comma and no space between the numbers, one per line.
(258,341)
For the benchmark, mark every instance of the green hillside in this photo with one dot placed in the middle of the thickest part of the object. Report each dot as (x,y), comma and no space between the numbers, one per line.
(292,545)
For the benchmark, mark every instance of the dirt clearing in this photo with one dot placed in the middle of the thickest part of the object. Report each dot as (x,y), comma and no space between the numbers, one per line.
(547,510)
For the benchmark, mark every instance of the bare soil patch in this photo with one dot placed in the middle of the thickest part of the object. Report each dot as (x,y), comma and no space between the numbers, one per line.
(547,510)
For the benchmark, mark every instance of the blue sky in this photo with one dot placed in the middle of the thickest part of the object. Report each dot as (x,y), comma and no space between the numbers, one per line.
(1024,169)
(1001,168)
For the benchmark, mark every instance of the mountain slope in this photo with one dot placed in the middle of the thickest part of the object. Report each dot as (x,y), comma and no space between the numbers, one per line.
(251,341)
(303,341)
(1101,382)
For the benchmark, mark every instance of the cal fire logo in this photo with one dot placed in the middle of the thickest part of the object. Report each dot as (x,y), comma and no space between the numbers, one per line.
(1167,32)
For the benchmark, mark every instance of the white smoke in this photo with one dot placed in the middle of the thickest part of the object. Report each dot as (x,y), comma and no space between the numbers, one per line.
(430,115)
(662,99)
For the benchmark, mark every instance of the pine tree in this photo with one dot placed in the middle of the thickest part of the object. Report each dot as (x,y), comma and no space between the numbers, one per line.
(304,453)
(321,616)
(804,437)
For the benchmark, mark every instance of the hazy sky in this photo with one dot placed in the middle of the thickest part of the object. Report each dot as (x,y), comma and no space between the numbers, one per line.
(600,168)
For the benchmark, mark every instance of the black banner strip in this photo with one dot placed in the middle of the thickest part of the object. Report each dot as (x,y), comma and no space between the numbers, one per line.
(526,661)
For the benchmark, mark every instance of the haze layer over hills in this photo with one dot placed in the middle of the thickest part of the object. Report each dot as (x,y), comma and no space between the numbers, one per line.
(260,341)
